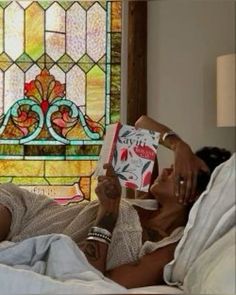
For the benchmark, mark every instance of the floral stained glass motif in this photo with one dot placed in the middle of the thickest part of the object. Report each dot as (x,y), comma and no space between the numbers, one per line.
(59,89)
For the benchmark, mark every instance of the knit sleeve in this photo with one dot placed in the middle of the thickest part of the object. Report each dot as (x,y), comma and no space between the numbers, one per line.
(22,204)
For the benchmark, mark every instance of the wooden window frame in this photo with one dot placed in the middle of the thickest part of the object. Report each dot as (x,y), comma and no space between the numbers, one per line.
(137,61)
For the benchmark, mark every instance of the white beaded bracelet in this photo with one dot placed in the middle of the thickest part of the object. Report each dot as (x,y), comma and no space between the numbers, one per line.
(105,237)
(100,230)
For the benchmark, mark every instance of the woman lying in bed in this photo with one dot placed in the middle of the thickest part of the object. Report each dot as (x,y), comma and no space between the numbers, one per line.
(128,243)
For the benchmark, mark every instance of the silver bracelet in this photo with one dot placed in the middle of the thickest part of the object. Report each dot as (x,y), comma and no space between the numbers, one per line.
(168,133)
(101,236)
(93,238)
(100,230)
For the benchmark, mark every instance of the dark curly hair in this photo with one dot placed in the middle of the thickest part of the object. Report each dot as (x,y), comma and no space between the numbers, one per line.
(213,157)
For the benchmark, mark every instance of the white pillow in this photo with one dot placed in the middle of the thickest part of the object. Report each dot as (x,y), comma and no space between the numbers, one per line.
(214,271)
(211,217)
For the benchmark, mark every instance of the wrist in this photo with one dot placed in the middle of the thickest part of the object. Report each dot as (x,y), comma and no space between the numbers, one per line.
(181,145)
(107,219)
(171,140)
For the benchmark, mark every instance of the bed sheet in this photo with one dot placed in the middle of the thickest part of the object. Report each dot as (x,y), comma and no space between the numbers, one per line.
(50,264)
(54,264)
(156,290)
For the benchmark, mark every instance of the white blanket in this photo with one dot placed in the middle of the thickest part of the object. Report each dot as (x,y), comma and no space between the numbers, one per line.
(50,264)
(211,217)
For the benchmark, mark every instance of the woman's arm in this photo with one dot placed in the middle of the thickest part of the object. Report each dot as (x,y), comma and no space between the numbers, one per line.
(5,222)
(108,191)
(187,165)
(146,272)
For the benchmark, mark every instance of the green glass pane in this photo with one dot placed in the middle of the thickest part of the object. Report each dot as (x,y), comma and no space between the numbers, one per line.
(86,63)
(24,62)
(115,108)
(62,180)
(45,4)
(66,4)
(115,79)
(102,63)
(45,61)
(4,4)
(86,4)
(13,150)
(5,179)
(30,180)
(65,63)
(44,150)
(87,150)
(116,48)
(5,62)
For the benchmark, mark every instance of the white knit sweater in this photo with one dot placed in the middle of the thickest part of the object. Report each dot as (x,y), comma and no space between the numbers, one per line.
(34,215)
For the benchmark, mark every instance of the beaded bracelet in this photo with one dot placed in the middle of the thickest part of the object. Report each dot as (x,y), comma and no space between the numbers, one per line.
(100,230)
(99,237)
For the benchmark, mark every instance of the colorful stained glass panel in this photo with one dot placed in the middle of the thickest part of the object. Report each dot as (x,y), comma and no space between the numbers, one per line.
(59,88)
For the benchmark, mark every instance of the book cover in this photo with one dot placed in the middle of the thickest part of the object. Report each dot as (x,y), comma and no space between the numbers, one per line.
(131,152)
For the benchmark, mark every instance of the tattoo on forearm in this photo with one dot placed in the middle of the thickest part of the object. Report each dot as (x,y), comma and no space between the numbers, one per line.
(92,251)
(107,221)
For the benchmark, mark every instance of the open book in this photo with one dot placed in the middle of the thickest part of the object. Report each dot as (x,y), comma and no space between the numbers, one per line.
(131,152)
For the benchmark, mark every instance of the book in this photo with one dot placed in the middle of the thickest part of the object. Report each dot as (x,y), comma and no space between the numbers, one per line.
(131,152)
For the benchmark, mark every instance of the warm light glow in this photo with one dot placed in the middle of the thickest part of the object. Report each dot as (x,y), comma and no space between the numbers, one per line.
(226,102)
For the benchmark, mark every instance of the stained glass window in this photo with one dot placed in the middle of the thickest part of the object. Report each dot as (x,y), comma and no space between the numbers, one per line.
(59,89)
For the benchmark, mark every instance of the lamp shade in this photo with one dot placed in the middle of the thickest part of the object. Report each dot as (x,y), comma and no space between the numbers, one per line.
(226,101)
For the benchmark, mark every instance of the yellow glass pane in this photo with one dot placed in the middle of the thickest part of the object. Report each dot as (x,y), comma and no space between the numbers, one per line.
(34,31)
(19,168)
(69,168)
(96,93)
(93,196)
(25,181)
(116,10)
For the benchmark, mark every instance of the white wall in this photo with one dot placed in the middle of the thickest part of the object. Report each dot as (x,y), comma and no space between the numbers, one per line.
(185,37)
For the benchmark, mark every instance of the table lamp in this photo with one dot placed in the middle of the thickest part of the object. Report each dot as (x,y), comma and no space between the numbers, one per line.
(226,101)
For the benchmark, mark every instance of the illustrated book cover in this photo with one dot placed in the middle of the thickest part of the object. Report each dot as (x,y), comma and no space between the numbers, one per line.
(131,152)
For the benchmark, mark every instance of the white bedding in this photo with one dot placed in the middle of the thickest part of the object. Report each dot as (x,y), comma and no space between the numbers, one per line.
(211,217)
(50,264)
(54,264)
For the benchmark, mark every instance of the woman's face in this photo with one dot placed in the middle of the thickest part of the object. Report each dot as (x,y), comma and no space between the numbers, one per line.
(163,186)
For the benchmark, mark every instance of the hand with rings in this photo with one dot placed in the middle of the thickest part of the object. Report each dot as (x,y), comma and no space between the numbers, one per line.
(186,168)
